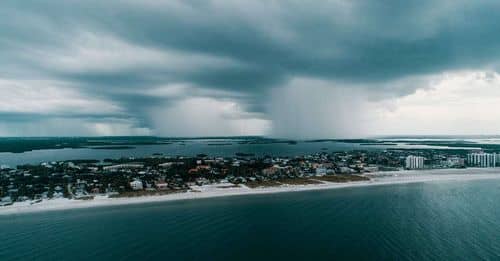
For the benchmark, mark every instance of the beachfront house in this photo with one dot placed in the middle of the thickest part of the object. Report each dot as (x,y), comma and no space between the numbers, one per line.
(136,185)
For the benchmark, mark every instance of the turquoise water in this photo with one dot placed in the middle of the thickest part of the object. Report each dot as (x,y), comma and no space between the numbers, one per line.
(424,221)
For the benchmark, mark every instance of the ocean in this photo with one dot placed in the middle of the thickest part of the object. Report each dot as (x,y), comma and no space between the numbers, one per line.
(456,220)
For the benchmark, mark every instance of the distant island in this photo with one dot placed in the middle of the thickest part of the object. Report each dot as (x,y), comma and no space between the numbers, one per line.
(23,144)
(20,145)
(116,147)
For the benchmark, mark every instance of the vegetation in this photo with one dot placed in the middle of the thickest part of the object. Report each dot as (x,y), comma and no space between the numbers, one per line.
(342,178)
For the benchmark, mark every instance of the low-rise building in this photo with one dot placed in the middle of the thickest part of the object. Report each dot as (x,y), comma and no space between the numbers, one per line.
(136,185)
(124,166)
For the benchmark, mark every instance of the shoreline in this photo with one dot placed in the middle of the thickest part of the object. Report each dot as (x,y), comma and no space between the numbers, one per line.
(218,190)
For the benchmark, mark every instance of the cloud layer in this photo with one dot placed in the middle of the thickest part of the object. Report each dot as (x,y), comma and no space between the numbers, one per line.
(191,68)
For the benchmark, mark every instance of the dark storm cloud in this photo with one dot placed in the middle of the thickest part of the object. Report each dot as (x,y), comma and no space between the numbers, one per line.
(254,45)
(40,117)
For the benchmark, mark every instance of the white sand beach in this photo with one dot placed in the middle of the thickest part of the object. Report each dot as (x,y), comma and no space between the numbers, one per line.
(220,190)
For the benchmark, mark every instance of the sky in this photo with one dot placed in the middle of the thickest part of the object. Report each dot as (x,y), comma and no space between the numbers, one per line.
(291,69)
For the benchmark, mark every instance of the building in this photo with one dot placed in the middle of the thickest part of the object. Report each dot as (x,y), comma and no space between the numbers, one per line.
(124,166)
(6,201)
(321,171)
(482,160)
(161,185)
(414,162)
(497,158)
(136,185)
(454,162)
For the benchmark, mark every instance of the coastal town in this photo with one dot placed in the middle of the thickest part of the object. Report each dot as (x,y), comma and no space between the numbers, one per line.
(161,175)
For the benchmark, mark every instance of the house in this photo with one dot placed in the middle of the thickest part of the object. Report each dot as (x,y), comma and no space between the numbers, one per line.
(124,166)
(270,171)
(370,168)
(166,164)
(202,181)
(58,189)
(136,185)
(321,171)
(57,195)
(161,185)
(5,201)
(345,170)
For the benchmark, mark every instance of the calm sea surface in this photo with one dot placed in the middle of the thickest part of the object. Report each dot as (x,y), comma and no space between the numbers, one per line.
(222,148)
(424,221)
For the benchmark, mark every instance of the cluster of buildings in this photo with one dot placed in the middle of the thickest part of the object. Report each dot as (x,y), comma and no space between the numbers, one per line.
(83,179)
(483,160)
(479,159)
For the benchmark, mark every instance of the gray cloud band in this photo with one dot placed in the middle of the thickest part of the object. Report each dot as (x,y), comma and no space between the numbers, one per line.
(239,50)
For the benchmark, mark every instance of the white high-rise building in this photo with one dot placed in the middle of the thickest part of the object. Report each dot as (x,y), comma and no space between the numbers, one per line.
(414,162)
(482,160)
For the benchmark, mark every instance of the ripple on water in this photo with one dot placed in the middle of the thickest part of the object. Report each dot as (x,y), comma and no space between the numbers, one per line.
(444,220)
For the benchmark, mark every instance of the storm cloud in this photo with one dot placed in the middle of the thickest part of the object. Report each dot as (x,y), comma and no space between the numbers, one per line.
(195,68)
